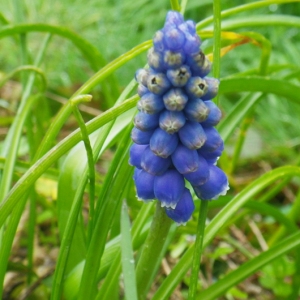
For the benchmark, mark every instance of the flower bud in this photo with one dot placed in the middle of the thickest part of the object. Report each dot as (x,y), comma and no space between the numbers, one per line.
(150,104)
(196,87)
(214,115)
(213,87)
(199,63)
(154,164)
(155,60)
(171,121)
(179,76)
(144,183)
(169,188)
(191,26)
(158,41)
(146,122)
(200,175)
(158,83)
(192,41)
(141,137)
(173,59)
(192,135)
(141,76)
(211,156)
(174,39)
(216,185)
(183,210)
(162,143)
(185,160)
(174,18)
(196,110)
(142,90)
(213,140)
(135,155)
(175,99)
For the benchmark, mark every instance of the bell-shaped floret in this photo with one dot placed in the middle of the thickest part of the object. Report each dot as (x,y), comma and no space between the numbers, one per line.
(192,135)
(191,26)
(158,83)
(199,64)
(175,99)
(216,185)
(158,41)
(196,110)
(150,104)
(146,122)
(192,41)
(212,156)
(200,175)
(213,88)
(142,90)
(174,38)
(168,188)
(173,59)
(162,143)
(135,155)
(185,160)
(183,210)
(144,183)
(196,87)
(141,137)
(174,18)
(179,76)
(154,164)
(171,121)
(213,140)
(141,76)
(155,60)
(214,115)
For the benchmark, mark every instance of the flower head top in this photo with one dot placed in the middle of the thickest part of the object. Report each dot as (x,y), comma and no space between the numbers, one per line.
(174,136)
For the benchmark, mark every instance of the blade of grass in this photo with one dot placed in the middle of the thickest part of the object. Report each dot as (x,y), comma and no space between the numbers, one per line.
(14,137)
(242,8)
(250,267)
(110,201)
(112,277)
(127,256)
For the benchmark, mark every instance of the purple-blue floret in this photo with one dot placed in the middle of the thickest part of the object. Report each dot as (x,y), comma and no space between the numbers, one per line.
(175,141)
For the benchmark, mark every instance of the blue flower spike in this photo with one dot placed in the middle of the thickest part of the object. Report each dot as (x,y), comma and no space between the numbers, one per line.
(175,141)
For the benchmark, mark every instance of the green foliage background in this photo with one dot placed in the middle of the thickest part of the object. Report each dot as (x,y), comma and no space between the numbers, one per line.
(63,63)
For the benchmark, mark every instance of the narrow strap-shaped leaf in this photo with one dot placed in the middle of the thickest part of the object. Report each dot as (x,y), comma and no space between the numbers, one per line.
(127,257)
(250,267)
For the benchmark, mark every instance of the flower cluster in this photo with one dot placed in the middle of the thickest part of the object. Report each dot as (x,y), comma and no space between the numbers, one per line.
(174,136)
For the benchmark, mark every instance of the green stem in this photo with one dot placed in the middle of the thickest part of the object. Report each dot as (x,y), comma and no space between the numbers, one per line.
(183,6)
(29,68)
(217,42)
(240,141)
(175,5)
(90,159)
(198,249)
(151,250)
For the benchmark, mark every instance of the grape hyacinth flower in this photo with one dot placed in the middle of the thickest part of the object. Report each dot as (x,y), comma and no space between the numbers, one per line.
(174,136)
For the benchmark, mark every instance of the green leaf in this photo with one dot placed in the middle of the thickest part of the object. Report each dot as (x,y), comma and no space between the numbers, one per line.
(221,286)
(127,257)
